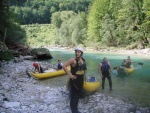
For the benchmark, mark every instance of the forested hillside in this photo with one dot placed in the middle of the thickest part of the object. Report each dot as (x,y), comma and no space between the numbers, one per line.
(121,23)
(40,11)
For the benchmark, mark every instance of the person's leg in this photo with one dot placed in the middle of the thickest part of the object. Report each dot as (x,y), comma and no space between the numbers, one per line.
(74,97)
(103,82)
(125,71)
(74,103)
(110,82)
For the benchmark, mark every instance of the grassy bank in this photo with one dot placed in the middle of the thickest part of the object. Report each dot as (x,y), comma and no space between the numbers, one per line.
(39,34)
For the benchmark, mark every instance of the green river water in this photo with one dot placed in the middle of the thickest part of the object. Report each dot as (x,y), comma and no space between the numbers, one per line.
(133,88)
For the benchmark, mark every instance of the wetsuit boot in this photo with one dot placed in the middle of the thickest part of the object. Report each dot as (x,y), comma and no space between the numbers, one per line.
(74,104)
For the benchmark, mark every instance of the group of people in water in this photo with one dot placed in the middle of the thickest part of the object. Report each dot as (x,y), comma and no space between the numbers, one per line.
(78,70)
(127,62)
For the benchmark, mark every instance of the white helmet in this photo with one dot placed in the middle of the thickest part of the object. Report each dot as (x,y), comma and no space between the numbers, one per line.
(79,48)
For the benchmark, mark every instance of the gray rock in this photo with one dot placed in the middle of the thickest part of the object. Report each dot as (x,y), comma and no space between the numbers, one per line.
(11,104)
(41,53)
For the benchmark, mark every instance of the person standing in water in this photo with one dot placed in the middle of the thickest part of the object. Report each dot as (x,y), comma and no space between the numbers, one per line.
(105,71)
(78,69)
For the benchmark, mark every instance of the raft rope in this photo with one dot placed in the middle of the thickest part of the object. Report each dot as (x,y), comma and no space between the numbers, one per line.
(74,84)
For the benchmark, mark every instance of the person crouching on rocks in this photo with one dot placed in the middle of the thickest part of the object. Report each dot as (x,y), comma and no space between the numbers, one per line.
(38,68)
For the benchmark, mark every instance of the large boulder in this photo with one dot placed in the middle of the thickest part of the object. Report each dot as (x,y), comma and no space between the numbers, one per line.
(41,53)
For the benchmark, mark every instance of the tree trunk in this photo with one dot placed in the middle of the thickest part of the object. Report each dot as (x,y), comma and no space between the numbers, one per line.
(5,35)
(5,39)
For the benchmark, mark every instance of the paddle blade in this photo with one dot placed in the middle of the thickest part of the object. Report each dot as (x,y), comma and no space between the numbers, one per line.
(140,63)
(115,68)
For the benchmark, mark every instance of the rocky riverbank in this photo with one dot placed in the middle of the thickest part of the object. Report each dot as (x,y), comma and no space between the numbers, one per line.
(20,93)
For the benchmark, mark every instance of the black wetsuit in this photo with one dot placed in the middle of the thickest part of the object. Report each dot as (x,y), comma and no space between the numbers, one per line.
(128,65)
(41,70)
(105,72)
(76,85)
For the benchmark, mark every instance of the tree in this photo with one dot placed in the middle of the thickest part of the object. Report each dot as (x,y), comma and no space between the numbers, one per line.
(56,19)
(72,29)
(10,31)
(96,13)
(107,31)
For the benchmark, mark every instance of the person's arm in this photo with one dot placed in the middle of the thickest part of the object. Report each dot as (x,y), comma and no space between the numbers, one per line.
(34,70)
(39,70)
(110,67)
(99,70)
(131,61)
(69,62)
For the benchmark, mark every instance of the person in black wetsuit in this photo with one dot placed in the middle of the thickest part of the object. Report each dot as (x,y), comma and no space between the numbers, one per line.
(78,69)
(105,71)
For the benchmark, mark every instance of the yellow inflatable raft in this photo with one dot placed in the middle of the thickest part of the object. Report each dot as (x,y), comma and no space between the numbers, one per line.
(49,73)
(130,70)
(122,70)
(91,86)
(88,86)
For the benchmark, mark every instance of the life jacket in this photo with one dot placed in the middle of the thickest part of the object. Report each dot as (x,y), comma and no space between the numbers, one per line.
(128,65)
(105,67)
(59,66)
(79,69)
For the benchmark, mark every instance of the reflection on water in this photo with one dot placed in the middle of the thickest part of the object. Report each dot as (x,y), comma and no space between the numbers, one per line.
(133,88)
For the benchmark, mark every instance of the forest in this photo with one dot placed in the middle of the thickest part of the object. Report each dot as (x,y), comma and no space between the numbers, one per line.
(88,23)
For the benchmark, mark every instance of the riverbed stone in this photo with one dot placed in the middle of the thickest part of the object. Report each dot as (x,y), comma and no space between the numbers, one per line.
(11,104)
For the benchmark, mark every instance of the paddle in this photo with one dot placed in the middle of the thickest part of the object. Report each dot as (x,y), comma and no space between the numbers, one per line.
(115,68)
(140,63)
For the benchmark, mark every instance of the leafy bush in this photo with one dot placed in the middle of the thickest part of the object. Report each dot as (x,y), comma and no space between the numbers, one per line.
(6,55)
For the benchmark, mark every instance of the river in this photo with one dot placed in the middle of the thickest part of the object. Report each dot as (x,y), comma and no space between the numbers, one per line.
(133,88)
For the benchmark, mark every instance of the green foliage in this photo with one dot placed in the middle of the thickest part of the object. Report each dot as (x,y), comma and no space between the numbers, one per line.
(6,55)
(37,11)
(72,29)
(127,19)
(97,11)
(119,23)
(39,34)
(107,31)
(56,20)
(9,28)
